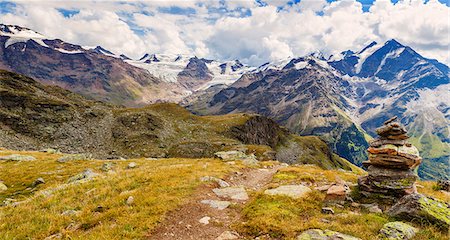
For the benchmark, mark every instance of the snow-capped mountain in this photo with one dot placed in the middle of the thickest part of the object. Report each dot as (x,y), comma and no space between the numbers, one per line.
(194,73)
(346,96)
(92,71)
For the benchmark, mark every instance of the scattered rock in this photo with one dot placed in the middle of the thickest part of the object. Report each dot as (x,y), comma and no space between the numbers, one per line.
(217,204)
(219,181)
(337,192)
(107,167)
(444,185)
(228,235)
(17,157)
(204,220)
(235,193)
(50,150)
(74,157)
(99,209)
(318,234)
(293,191)
(372,208)
(397,231)
(3,187)
(130,200)
(70,213)
(131,165)
(54,236)
(38,181)
(327,210)
(85,175)
(418,206)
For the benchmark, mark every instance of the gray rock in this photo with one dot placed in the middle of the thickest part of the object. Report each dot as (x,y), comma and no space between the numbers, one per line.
(235,193)
(228,235)
(318,234)
(130,200)
(204,220)
(131,165)
(217,204)
(219,181)
(3,187)
(85,175)
(293,191)
(327,210)
(108,166)
(38,181)
(397,231)
(74,157)
(372,208)
(17,157)
(418,206)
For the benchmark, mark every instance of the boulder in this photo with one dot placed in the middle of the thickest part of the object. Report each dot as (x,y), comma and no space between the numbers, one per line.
(235,193)
(397,231)
(221,205)
(418,206)
(318,234)
(337,192)
(293,191)
(17,157)
(85,175)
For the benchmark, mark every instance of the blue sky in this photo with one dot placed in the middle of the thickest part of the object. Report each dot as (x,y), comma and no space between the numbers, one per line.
(252,31)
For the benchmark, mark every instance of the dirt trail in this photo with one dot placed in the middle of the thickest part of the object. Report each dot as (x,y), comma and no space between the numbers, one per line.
(183,223)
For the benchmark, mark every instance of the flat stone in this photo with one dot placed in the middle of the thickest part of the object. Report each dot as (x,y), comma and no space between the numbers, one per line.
(221,205)
(219,181)
(327,210)
(322,188)
(85,175)
(228,235)
(418,206)
(397,231)
(38,181)
(318,234)
(18,157)
(235,193)
(204,220)
(293,191)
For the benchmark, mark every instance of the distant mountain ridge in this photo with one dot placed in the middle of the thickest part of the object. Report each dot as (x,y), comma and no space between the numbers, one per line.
(344,98)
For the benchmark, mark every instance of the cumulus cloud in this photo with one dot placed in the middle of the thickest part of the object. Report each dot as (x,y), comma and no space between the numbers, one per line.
(253,31)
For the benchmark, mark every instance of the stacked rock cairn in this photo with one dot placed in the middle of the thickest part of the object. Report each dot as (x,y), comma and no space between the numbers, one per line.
(391,163)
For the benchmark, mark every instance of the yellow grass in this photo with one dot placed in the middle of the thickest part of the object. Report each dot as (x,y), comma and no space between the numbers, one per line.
(157,187)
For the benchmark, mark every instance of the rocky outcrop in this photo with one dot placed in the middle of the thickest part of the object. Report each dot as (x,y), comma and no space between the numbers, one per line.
(391,163)
(397,231)
(417,206)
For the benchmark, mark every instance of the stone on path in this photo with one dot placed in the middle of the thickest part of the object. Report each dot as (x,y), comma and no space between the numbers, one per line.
(204,220)
(397,231)
(221,205)
(228,235)
(293,191)
(18,157)
(219,181)
(318,234)
(418,206)
(235,193)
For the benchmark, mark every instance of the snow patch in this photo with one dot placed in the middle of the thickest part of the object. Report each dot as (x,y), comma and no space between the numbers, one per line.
(67,51)
(17,34)
(364,55)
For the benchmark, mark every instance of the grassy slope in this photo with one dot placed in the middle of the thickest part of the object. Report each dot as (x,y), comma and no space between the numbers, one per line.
(157,187)
(283,217)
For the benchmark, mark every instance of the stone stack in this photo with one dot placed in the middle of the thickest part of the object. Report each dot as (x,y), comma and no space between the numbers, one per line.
(391,163)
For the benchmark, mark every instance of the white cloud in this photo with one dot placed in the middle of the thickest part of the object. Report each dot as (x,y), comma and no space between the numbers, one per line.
(225,30)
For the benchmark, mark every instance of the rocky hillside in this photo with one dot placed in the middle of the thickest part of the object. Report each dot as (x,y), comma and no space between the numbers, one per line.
(35,116)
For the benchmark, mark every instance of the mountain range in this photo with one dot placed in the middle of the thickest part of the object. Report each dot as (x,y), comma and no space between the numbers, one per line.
(341,98)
